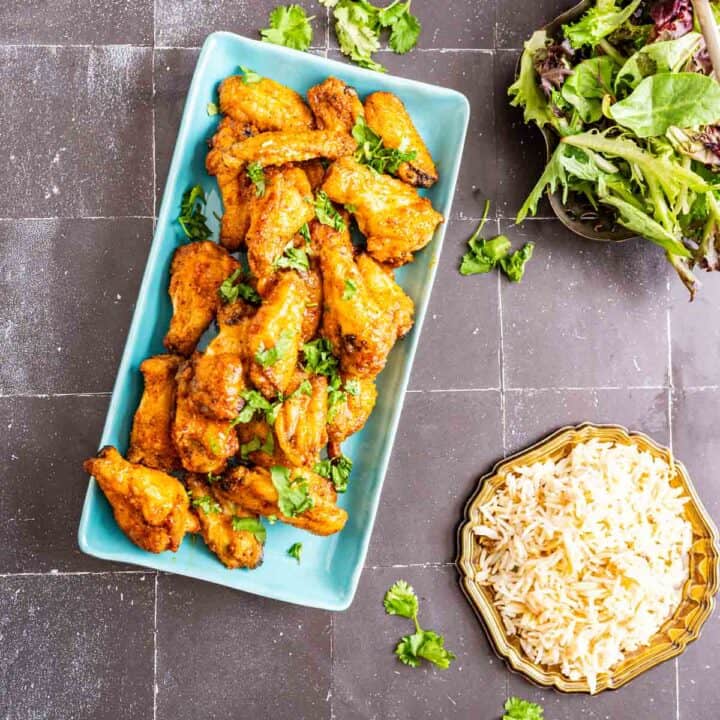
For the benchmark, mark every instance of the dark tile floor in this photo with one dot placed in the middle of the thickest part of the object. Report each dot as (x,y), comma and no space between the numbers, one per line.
(91,99)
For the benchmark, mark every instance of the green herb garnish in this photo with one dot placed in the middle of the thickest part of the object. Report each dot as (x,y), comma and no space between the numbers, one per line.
(349,290)
(289,26)
(230,290)
(326,213)
(207,505)
(266,357)
(372,152)
(212,109)
(337,470)
(249,77)
(295,551)
(518,709)
(192,219)
(293,495)
(213,478)
(256,402)
(256,174)
(305,232)
(251,525)
(319,358)
(294,259)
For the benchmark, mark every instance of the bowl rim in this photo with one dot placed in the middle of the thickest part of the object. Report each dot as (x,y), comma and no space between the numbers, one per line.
(514,660)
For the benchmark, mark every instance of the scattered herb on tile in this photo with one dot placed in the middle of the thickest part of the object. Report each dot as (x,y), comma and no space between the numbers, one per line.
(289,26)
(337,470)
(295,551)
(230,289)
(293,495)
(326,213)
(401,600)
(519,709)
(251,525)
(192,219)
(212,109)
(372,152)
(256,174)
(249,77)
(207,505)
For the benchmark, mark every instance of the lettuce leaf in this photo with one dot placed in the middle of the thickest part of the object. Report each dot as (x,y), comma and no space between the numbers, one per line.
(598,22)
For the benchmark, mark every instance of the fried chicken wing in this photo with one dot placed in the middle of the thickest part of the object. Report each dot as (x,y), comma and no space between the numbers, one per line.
(204,444)
(196,273)
(351,415)
(387,116)
(280,148)
(275,219)
(253,490)
(361,331)
(395,220)
(234,548)
(275,335)
(236,188)
(315,171)
(335,105)
(151,440)
(266,104)
(151,507)
(219,373)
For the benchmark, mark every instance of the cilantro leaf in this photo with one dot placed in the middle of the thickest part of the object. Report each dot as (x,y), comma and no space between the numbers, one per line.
(405,32)
(484,255)
(319,358)
(192,219)
(514,265)
(326,213)
(207,505)
(388,16)
(213,478)
(352,387)
(256,174)
(372,152)
(255,402)
(305,232)
(250,447)
(424,644)
(289,26)
(269,356)
(230,290)
(336,396)
(212,109)
(518,709)
(293,495)
(249,77)
(337,470)
(295,551)
(251,525)
(294,259)
(349,290)
(407,649)
(356,27)
(401,600)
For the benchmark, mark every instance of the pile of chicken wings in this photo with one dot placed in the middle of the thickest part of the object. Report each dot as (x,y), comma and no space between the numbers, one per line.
(252,426)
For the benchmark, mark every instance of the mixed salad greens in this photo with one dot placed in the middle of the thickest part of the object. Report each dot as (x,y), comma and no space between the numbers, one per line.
(629,92)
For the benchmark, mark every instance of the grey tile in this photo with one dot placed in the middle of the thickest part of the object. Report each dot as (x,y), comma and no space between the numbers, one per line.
(370,682)
(652,695)
(186,23)
(103,22)
(516,22)
(698,666)
(276,657)
(586,314)
(471,73)
(520,148)
(77,646)
(44,442)
(460,341)
(67,291)
(445,442)
(695,341)
(76,124)
(532,414)
(173,73)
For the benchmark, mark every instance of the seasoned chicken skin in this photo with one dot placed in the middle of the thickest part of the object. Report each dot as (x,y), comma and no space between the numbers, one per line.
(275,219)
(236,188)
(204,444)
(275,335)
(151,507)
(218,377)
(253,490)
(234,548)
(151,440)
(362,332)
(351,415)
(335,105)
(196,273)
(266,104)
(279,148)
(395,220)
(387,116)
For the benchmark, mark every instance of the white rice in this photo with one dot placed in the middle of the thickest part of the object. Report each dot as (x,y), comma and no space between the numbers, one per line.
(586,557)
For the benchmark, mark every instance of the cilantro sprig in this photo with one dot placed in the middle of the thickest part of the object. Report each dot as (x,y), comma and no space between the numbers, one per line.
(289,26)
(337,470)
(293,494)
(230,289)
(249,77)
(192,219)
(294,259)
(518,709)
(255,402)
(372,152)
(401,600)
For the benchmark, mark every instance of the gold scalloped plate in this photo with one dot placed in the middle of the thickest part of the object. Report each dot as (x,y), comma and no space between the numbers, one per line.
(679,630)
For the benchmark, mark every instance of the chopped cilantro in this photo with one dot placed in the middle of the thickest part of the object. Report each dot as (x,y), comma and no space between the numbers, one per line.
(295,551)
(353,387)
(214,446)
(251,525)
(319,358)
(372,152)
(338,470)
(305,232)
(250,447)
(212,109)
(213,478)
(267,357)
(326,213)
(256,174)
(350,290)
(192,219)
(293,259)
(249,77)
(289,26)
(230,290)
(293,495)
(255,402)
(207,505)
(272,519)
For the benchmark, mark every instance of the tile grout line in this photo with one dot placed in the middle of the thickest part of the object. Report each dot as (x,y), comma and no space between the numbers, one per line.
(331,689)
(155,648)
(154,205)
(73,573)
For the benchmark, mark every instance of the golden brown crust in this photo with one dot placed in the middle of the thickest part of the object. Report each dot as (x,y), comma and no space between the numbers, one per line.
(150,440)
(335,105)
(386,115)
(351,415)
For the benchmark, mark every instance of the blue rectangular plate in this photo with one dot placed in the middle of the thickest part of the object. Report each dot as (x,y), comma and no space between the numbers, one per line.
(331,567)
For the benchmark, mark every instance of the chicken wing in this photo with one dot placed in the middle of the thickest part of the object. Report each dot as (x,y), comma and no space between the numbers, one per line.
(335,105)
(151,507)
(395,220)
(217,516)
(352,413)
(218,377)
(279,148)
(196,273)
(361,332)
(204,444)
(275,219)
(386,115)
(266,104)
(253,490)
(151,440)
(236,188)
(275,335)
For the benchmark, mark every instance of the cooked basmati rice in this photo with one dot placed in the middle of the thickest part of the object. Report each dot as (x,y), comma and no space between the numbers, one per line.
(585,557)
